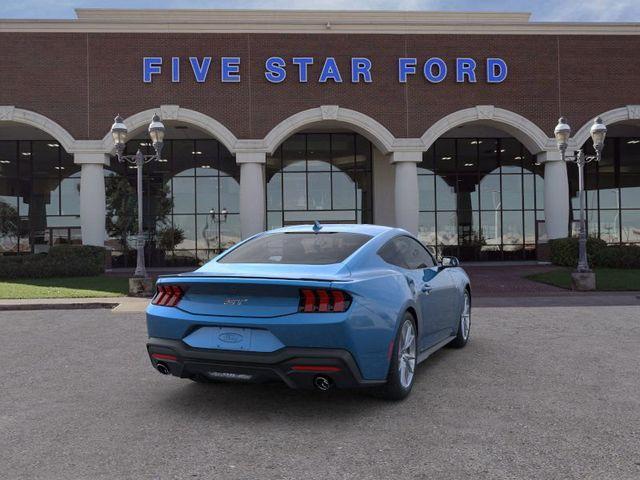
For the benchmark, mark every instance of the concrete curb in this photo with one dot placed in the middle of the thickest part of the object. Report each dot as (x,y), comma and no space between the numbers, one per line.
(115,304)
(139,305)
(56,306)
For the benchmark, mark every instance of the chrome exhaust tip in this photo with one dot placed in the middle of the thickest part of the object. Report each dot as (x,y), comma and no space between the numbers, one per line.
(322,383)
(163,369)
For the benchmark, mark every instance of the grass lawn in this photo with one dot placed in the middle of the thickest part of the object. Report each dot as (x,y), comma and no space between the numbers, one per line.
(607,279)
(72,287)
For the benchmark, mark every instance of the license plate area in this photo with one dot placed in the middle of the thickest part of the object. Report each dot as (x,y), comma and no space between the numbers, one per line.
(233,338)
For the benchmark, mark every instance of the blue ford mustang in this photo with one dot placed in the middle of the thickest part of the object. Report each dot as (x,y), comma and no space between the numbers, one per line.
(313,306)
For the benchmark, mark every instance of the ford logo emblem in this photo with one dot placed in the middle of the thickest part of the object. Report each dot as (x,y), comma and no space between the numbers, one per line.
(230,337)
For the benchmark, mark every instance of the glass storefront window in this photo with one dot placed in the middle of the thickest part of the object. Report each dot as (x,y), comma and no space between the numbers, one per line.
(320,176)
(426,187)
(195,188)
(480,198)
(612,188)
(630,225)
(39,196)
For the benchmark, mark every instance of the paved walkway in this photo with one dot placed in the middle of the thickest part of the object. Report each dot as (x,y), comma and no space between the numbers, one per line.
(508,280)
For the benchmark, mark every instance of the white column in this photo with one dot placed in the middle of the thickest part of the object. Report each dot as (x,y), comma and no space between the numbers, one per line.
(406,189)
(556,194)
(92,197)
(252,192)
(384,186)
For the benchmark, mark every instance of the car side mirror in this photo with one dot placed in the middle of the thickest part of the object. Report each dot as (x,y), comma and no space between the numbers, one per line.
(448,262)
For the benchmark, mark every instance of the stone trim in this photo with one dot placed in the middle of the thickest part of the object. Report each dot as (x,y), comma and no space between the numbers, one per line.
(629,112)
(10,113)
(176,113)
(382,138)
(308,21)
(527,132)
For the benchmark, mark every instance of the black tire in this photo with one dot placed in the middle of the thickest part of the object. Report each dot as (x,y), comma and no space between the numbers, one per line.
(394,389)
(462,339)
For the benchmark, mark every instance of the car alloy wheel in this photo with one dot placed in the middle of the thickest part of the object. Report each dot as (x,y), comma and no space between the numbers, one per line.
(465,317)
(407,354)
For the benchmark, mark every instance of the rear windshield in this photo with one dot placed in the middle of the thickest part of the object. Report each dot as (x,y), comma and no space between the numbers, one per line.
(298,248)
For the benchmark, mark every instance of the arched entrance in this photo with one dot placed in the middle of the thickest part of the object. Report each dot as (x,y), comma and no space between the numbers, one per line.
(39,184)
(613,185)
(320,166)
(316,175)
(481,187)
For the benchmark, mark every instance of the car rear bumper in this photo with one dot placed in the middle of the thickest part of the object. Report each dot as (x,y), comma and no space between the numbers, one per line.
(297,367)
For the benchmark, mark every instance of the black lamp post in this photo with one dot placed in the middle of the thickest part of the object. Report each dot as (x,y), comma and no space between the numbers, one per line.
(156,132)
(598,133)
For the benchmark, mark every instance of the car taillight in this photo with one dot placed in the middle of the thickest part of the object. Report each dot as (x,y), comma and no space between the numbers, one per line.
(321,300)
(167,295)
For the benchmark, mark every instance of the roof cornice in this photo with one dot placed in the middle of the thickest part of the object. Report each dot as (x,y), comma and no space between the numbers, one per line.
(312,21)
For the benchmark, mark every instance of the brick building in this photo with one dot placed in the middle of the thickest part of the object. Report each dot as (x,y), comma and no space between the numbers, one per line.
(441,123)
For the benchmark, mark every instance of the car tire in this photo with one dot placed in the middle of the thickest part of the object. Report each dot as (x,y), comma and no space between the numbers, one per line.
(403,361)
(464,324)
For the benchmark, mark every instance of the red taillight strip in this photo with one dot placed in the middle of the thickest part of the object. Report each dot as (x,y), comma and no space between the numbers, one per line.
(315,368)
(164,356)
(167,295)
(309,300)
(175,296)
(323,305)
(323,300)
(338,301)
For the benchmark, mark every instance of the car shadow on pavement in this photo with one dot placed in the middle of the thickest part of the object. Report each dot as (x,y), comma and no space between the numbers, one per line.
(276,399)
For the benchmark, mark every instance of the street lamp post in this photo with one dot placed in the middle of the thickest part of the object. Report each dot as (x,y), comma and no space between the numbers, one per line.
(562,133)
(119,133)
(210,232)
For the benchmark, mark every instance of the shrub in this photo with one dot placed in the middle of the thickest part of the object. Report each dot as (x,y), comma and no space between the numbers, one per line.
(61,261)
(564,251)
(618,256)
(169,237)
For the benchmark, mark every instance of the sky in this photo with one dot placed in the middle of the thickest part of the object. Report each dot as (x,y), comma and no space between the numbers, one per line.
(542,10)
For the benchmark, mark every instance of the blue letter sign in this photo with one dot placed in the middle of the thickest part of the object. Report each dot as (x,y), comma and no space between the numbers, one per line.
(230,70)
(406,66)
(151,66)
(175,69)
(330,71)
(428,70)
(434,69)
(275,69)
(200,71)
(360,67)
(496,70)
(465,67)
(303,65)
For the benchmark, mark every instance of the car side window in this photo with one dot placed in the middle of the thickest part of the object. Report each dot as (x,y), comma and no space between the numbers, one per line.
(407,253)
(415,254)
(391,253)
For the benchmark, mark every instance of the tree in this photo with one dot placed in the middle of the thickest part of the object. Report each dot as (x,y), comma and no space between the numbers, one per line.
(122,209)
(9,221)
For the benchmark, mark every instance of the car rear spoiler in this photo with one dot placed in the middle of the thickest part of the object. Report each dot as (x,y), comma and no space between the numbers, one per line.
(204,278)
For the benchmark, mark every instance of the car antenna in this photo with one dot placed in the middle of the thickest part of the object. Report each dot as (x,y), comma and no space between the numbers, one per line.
(316,226)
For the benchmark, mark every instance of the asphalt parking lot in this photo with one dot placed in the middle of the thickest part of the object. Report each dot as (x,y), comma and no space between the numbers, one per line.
(538,393)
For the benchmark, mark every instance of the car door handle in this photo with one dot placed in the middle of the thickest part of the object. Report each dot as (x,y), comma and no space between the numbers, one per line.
(426,288)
